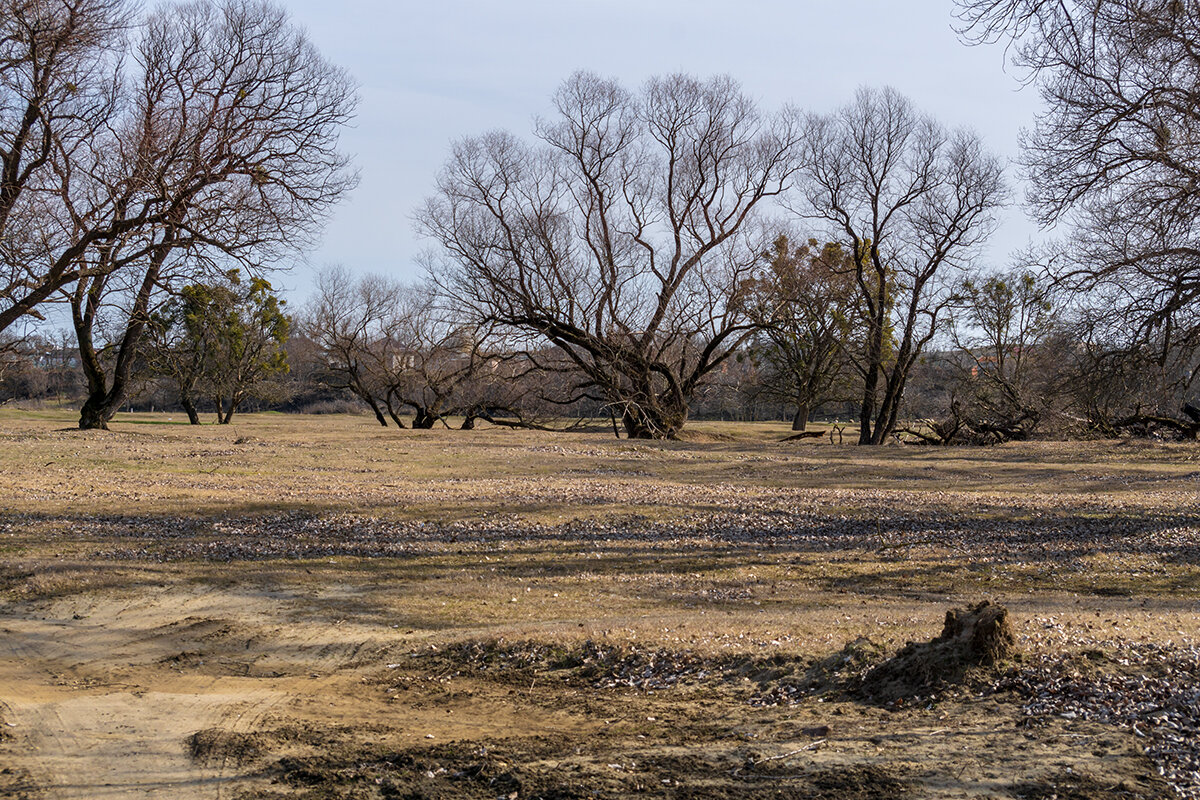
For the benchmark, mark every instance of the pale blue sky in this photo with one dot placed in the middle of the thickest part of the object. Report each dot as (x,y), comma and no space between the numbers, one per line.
(431,72)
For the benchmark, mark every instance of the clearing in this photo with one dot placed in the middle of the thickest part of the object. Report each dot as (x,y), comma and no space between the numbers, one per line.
(316,607)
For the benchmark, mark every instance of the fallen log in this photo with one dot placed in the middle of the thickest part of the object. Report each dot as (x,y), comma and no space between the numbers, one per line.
(795,437)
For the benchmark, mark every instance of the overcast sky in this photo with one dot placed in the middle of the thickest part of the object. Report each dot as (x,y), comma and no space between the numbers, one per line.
(432,72)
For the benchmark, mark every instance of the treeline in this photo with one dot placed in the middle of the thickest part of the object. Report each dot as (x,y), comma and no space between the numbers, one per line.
(1014,361)
(645,257)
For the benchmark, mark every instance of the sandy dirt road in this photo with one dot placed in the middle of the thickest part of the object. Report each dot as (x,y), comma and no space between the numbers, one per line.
(101,695)
(211,691)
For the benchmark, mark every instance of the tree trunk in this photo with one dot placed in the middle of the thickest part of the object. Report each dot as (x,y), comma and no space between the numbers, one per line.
(468,423)
(887,414)
(800,421)
(867,432)
(235,404)
(104,400)
(357,386)
(374,407)
(393,413)
(424,421)
(866,413)
(97,411)
(653,422)
(190,408)
(1193,413)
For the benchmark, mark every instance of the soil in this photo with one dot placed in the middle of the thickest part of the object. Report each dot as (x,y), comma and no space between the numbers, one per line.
(315,608)
(972,640)
(232,692)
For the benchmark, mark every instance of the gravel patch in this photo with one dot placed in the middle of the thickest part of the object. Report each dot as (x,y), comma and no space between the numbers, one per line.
(1152,690)
(891,524)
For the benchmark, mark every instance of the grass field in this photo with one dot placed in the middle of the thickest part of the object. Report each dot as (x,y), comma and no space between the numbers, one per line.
(317,607)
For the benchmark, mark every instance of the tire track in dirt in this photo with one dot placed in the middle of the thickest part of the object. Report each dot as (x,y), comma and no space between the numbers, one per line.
(24,750)
(103,707)
(80,738)
(242,718)
(117,745)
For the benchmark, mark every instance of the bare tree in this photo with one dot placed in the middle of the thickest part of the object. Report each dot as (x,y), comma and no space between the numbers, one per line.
(346,319)
(1004,376)
(1115,155)
(393,346)
(1115,386)
(15,346)
(60,65)
(911,202)
(1006,324)
(428,357)
(620,237)
(227,154)
(511,388)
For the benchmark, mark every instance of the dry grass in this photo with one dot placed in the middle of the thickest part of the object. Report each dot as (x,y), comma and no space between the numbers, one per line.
(272,461)
(584,526)
(730,543)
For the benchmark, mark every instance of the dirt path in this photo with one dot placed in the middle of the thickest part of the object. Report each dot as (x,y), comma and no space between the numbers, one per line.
(119,744)
(208,690)
(100,694)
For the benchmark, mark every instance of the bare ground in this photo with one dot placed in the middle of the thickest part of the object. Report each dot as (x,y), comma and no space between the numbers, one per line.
(327,610)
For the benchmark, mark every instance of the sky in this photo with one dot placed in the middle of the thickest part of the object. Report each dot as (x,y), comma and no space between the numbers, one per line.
(433,72)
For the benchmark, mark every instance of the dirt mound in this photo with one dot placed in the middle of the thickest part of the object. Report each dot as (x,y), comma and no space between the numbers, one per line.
(973,638)
(602,666)
(217,746)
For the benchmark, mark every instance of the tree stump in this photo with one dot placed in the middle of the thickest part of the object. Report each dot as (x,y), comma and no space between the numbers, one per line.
(972,639)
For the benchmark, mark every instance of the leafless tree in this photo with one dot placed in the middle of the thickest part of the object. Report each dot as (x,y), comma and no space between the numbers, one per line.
(10,354)
(346,319)
(911,202)
(510,387)
(1005,372)
(393,346)
(226,153)
(619,238)
(1117,387)
(1115,155)
(60,65)
(429,357)
(15,346)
